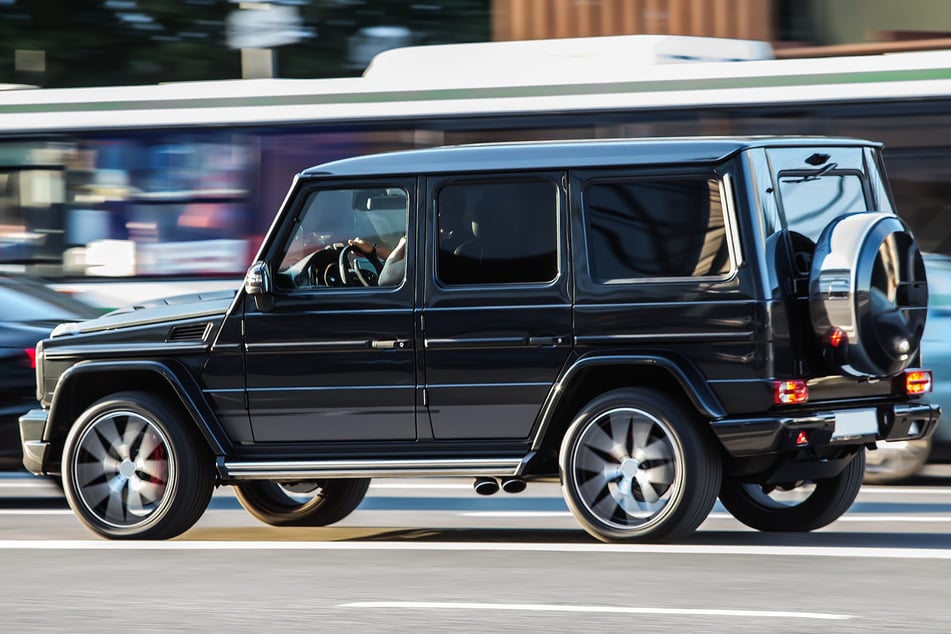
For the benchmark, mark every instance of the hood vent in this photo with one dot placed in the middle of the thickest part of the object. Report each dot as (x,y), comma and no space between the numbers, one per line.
(189,332)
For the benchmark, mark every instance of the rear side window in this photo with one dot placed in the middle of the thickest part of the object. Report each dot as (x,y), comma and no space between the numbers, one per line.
(497,232)
(655,228)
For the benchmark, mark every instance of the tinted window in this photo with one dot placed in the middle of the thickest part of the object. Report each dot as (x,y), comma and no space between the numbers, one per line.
(811,203)
(497,233)
(655,228)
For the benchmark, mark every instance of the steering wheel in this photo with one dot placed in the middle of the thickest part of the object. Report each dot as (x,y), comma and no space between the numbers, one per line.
(351,272)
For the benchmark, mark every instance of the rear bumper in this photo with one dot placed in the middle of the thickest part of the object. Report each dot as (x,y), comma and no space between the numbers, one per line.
(35,449)
(857,426)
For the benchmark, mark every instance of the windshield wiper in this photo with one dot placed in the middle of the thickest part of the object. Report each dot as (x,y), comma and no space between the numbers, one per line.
(805,177)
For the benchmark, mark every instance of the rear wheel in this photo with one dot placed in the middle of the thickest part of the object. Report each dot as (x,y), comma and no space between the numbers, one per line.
(133,468)
(636,466)
(794,506)
(303,503)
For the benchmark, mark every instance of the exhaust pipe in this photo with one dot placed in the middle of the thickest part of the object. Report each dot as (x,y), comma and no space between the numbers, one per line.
(486,486)
(513,485)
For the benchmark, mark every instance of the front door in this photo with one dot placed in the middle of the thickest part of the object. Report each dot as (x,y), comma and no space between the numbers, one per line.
(332,357)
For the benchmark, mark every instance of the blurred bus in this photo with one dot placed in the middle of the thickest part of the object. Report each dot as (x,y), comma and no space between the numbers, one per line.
(124,194)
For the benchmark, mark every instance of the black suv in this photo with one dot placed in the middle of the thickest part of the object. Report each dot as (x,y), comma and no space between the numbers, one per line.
(655,322)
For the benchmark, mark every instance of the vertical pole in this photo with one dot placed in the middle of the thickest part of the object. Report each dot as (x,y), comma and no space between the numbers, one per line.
(257,63)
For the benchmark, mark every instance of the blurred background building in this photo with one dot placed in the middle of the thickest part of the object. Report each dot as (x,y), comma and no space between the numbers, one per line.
(97,42)
(790,25)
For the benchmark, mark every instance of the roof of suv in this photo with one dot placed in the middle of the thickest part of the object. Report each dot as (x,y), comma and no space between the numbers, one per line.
(561,154)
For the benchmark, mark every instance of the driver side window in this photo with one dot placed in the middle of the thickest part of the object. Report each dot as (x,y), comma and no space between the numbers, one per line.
(347,238)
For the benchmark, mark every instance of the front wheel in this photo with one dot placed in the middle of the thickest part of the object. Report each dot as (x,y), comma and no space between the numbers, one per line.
(638,467)
(795,506)
(303,503)
(133,468)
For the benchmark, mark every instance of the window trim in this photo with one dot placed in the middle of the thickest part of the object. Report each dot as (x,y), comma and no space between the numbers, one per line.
(727,208)
(547,177)
(307,191)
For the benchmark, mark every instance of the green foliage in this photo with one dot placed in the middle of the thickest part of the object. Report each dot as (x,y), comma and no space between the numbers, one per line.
(111,42)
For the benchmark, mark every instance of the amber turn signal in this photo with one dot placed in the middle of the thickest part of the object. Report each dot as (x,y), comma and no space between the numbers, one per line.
(790,392)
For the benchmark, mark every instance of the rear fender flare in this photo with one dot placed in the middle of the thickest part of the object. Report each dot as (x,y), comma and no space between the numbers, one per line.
(688,378)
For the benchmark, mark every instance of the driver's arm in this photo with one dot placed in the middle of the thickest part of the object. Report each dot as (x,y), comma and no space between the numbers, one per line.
(369,248)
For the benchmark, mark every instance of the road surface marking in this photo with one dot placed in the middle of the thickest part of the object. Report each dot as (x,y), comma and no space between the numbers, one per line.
(419,485)
(474,547)
(853,517)
(536,607)
(923,490)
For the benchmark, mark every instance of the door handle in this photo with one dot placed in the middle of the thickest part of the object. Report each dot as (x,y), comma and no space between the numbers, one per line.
(556,340)
(388,344)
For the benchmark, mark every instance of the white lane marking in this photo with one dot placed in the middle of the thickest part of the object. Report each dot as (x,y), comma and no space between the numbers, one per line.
(469,547)
(911,519)
(417,486)
(515,514)
(606,609)
(854,517)
(925,490)
(857,517)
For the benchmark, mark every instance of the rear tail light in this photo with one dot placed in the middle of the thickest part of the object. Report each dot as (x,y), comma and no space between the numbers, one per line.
(31,355)
(836,337)
(790,392)
(917,382)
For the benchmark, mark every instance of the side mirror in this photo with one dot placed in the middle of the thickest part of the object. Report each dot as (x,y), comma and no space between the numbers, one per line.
(257,284)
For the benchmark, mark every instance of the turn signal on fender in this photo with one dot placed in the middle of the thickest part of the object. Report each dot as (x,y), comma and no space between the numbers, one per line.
(790,392)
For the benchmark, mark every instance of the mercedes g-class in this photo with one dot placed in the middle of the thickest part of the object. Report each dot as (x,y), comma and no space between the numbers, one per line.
(654,322)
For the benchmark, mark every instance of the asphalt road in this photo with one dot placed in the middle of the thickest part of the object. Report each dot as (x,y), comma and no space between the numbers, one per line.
(430,556)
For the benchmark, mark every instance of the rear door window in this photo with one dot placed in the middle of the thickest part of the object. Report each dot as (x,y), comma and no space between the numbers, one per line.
(497,232)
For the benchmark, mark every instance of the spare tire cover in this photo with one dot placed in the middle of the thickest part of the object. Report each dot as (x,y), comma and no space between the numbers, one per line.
(868,285)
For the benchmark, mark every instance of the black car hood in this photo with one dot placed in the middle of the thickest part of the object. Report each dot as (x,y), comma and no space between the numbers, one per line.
(178,308)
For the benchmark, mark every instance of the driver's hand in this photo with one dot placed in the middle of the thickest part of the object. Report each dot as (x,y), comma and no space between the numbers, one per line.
(370,249)
(361,245)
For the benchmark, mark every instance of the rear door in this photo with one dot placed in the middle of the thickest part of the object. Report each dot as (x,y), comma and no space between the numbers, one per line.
(496,315)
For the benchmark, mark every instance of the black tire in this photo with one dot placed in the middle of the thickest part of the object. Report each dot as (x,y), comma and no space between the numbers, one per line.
(827,501)
(309,503)
(638,467)
(134,467)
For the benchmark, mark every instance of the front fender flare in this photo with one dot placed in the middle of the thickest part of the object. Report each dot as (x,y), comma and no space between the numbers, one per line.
(181,382)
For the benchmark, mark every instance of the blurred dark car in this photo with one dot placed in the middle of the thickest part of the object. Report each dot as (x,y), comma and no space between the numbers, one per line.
(897,461)
(28,312)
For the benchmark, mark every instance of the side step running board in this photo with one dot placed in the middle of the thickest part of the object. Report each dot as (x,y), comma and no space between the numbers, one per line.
(311,470)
